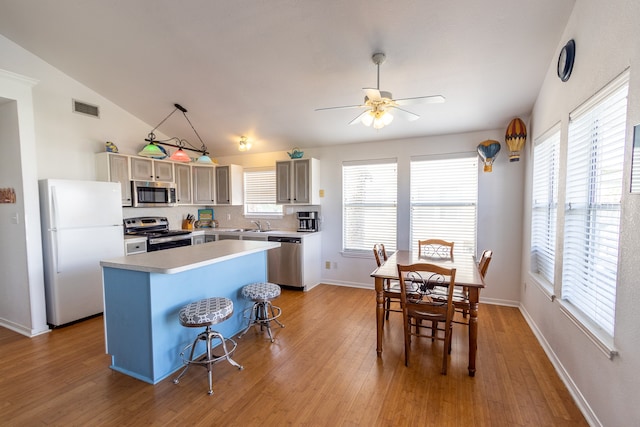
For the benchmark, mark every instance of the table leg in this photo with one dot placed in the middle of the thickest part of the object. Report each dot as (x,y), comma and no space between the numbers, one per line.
(474,296)
(379,314)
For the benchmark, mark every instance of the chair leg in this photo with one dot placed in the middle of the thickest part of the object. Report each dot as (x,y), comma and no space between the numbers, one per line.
(209,374)
(407,341)
(252,316)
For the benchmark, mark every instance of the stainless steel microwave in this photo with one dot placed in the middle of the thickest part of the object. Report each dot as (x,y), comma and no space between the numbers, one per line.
(151,193)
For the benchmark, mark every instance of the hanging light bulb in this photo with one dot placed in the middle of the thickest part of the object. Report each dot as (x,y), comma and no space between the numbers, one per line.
(382,119)
(151,150)
(204,159)
(368,118)
(180,156)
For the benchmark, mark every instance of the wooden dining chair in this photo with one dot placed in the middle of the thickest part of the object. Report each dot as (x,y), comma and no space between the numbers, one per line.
(435,248)
(418,306)
(461,296)
(390,288)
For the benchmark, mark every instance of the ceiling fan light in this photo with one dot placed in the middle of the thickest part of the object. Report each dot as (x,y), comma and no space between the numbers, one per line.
(180,156)
(367,119)
(244,145)
(151,150)
(387,118)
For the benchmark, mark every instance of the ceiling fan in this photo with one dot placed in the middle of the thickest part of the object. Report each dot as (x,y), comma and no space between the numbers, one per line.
(379,103)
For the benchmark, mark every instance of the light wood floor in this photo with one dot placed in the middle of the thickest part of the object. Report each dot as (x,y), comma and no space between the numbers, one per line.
(321,371)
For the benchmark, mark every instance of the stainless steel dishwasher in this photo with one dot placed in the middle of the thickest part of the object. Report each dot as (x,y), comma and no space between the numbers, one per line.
(285,262)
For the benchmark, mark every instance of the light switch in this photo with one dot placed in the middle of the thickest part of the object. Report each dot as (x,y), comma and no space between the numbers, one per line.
(15,219)
(321,193)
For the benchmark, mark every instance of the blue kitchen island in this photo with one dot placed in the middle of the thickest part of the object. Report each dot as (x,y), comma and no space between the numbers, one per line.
(143,294)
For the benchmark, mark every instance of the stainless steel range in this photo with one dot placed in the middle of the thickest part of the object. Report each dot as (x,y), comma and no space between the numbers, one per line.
(156,229)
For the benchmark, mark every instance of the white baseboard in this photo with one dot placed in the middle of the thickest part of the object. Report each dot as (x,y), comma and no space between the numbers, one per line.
(578,398)
(21,329)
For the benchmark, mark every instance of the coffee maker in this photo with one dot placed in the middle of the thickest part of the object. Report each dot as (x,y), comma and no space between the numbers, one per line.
(308,221)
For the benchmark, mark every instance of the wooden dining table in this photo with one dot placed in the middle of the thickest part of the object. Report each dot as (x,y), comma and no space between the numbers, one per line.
(467,275)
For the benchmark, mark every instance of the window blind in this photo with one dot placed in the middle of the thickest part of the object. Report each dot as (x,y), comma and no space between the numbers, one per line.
(592,212)
(369,192)
(444,193)
(544,204)
(260,192)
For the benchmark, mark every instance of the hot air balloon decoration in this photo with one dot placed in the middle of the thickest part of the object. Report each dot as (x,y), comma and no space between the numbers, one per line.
(488,151)
(515,137)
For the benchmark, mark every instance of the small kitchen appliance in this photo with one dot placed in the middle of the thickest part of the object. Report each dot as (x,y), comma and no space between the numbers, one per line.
(307,221)
(153,194)
(156,229)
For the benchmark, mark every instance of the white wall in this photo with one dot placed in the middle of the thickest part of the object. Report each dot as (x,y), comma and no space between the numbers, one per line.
(607,39)
(21,291)
(499,207)
(46,140)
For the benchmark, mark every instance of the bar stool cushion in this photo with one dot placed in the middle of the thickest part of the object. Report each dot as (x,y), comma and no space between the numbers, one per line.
(261,291)
(207,311)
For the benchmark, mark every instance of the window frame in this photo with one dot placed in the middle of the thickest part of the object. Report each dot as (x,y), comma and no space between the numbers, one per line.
(248,198)
(584,202)
(386,231)
(546,152)
(470,199)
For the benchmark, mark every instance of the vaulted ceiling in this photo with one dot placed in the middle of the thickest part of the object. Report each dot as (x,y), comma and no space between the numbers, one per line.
(261,68)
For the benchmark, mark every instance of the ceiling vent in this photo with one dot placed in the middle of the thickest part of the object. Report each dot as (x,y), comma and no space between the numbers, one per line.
(86,109)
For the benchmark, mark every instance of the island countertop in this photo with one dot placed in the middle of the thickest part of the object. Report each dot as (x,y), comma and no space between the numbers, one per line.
(188,257)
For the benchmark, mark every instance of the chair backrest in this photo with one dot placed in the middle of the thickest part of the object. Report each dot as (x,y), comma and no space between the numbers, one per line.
(380,253)
(426,277)
(485,259)
(436,248)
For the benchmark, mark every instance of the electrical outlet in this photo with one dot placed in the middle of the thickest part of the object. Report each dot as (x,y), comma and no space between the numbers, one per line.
(335,265)
(327,265)
(228,217)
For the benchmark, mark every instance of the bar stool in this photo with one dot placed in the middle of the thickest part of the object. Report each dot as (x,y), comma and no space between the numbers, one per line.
(207,312)
(262,311)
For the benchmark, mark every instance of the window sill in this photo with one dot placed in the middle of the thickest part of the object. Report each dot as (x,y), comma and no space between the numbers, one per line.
(545,287)
(598,337)
(357,254)
(264,216)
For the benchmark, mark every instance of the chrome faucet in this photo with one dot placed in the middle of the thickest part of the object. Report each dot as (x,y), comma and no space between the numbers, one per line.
(257,223)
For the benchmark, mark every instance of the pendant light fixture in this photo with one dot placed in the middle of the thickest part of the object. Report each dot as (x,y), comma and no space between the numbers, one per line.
(152,149)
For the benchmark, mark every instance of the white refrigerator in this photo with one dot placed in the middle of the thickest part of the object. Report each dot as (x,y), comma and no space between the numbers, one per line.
(81,225)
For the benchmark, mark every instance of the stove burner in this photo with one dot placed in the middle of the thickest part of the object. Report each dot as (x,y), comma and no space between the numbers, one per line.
(156,229)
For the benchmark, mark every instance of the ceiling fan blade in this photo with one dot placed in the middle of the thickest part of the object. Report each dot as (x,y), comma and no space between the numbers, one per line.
(357,119)
(344,107)
(406,114)
(372,94)
(434,99)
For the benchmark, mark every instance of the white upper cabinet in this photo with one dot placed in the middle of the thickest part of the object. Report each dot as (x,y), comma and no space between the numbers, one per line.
(297,182)
(183,183)
(229,185)
(203,185)
(143,169)
(114,167)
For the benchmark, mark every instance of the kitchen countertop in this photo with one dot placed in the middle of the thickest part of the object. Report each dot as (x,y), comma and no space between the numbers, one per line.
(234,231)
(185,258)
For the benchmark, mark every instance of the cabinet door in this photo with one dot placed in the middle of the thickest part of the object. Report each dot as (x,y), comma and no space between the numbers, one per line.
(141,169)
(183,184)
(301,176)
(203,185)
(222,185)
(163,171)
(119,172)
(283,182)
